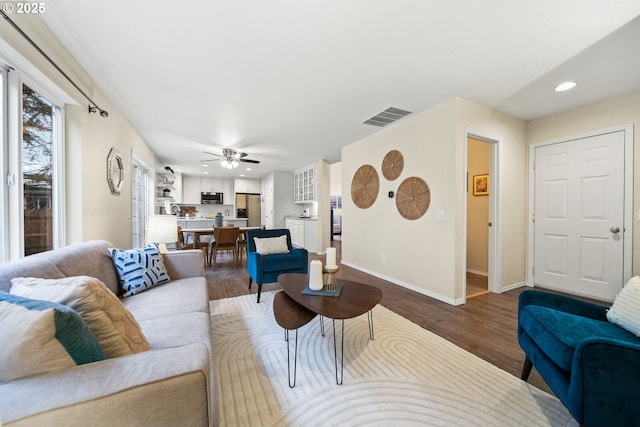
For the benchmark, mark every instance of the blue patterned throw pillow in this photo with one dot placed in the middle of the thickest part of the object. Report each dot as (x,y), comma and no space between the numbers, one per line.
(139,269)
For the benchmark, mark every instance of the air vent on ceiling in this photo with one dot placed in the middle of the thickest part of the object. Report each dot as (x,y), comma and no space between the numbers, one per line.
(386,117)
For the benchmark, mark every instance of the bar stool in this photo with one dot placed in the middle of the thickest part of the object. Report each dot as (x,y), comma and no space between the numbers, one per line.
(290,315)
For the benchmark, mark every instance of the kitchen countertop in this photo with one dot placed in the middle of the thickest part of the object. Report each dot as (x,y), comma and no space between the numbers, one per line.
(224,218)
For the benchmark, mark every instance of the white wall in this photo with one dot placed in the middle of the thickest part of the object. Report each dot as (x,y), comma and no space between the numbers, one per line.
(335,188)
(425,254)
(92,212)
(617,111)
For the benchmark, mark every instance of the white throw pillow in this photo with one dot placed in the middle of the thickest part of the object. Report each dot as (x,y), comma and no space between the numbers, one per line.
(272,245)
(625,311)
(113,325)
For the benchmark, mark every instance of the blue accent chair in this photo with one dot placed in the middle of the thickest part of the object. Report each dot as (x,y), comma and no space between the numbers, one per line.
(267,268)
(592,365)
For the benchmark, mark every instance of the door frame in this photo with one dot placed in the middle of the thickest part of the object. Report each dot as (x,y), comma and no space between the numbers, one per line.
(495,210)
(628,196)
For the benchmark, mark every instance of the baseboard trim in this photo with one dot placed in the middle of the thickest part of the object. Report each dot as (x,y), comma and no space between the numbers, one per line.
(478,272)
(409,286)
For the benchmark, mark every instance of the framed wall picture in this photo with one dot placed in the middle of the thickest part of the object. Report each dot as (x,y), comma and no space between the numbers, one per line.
(481,185)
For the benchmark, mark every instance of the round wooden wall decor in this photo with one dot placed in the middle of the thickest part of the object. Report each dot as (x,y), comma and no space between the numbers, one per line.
(392,165)
(413,198)
(364,186)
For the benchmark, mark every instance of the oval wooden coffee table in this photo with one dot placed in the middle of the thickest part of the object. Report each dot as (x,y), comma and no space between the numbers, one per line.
(354,299)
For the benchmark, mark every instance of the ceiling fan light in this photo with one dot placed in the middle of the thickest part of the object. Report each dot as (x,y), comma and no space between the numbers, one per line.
(234,163)
(224,163)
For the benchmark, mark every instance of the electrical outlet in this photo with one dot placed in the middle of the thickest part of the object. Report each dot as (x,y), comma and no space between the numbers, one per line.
(384,258)
(440,216)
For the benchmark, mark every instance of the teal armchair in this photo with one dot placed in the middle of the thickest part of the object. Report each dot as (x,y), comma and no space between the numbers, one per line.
(267,268)
(592,365)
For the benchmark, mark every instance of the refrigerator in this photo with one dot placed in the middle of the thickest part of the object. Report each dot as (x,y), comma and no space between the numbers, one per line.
(248,206)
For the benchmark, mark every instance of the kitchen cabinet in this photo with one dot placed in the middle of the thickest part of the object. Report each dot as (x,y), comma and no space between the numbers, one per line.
(227,191)
(191,190)
(296,229)
(304,233)
(304,185)
(246,185)
(207,185)
(193,186)
(311,235)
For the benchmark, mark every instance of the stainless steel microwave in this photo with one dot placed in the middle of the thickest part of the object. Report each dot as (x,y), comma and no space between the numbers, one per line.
(209,198)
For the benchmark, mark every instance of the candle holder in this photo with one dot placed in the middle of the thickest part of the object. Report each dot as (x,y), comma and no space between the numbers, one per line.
(329,278)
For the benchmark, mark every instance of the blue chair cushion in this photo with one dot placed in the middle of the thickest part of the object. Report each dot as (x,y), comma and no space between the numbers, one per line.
(281,262)
(558,333)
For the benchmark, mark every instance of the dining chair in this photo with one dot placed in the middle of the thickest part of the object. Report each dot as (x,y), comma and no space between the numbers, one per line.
(182,244)
(242,245)
(226,239)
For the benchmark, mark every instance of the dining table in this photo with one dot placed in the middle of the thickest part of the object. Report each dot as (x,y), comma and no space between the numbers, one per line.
(208,231)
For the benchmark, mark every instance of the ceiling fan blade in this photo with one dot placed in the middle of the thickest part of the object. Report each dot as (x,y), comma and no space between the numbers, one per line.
(210,160)
(250,161)
(212,154)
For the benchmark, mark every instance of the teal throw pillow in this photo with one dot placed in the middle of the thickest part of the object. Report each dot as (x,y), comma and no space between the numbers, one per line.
(139,269)
(41,336)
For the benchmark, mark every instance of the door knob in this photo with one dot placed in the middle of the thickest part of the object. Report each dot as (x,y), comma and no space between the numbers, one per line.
(614,230)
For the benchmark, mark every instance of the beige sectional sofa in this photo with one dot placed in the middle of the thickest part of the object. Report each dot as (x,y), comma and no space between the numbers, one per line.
(172,384)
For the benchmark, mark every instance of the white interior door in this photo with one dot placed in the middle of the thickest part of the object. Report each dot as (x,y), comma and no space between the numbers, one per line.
(579,215)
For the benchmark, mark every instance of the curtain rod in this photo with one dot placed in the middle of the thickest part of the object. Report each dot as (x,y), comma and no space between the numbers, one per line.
(93,107)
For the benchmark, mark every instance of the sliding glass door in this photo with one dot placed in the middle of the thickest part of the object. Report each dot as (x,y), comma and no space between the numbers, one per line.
(32,214)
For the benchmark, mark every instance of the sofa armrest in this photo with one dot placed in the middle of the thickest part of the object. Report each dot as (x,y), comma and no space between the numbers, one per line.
(299,253)
(562,303)
(161,388)
(604,373)
(184,264)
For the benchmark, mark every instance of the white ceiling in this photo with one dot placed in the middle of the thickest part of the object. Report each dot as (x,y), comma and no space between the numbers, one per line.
(291,81)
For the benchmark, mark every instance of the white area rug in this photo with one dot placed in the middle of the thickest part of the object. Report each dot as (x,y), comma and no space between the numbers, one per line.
(407,376)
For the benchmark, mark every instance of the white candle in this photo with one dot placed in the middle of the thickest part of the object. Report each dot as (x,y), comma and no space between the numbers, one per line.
(315,275)
(331,258)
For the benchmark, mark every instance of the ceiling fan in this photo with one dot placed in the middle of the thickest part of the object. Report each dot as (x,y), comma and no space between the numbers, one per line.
(230,158)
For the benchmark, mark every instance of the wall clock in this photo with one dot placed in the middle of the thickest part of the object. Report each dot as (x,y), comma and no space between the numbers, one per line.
(413,198)
(364,186)
(115,171)
(392,165)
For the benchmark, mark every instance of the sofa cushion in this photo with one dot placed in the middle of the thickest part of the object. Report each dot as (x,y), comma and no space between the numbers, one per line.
(139,269)
(178,330)
(41,336)
(271,245)
(115,328)
(558,332)
(625,311)
(178,296)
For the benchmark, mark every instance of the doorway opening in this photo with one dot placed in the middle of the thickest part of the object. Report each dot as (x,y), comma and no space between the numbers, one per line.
(479,276)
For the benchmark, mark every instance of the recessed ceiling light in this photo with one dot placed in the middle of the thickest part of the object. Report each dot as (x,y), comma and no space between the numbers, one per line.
(204,165)
(248,169)
(565,86)
(205,172)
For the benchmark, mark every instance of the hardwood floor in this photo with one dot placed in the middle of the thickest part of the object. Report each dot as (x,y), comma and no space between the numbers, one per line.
(485,326)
